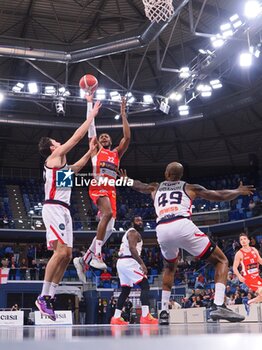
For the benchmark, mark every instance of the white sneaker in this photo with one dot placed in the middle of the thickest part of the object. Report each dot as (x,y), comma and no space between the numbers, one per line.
(80,269)
(97,262)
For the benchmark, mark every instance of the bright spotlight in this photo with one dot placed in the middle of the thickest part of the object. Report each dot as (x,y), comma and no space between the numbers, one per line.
(101,94)
(205,90)
(216,84)
(130,97)
(252,9)
(18,87)
(183,110)
(82,93)
(217,41)
(2,97)
(226,30)
(245,59)
(63,91)
(184,73)
(32,88)
(177,96)
(115,96)
(255,50)
(236,21)
(50,90)
(117,117)
(148,99)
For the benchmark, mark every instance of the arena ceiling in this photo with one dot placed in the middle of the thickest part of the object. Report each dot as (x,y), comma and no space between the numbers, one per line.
(56,42)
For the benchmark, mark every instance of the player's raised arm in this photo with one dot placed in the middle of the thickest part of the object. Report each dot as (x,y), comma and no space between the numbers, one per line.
(78,166)
(140,186)
(78,135)
(124,143)
(197,191)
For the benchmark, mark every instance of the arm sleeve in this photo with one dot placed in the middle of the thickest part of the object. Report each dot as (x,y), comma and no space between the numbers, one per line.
(92,127)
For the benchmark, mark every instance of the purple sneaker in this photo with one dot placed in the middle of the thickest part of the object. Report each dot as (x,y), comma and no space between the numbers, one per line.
(45,306)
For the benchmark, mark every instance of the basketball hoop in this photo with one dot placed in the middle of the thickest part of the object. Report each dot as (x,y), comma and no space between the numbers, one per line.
(158,10)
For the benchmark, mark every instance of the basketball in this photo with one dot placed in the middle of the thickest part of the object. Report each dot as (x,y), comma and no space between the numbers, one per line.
(88,83)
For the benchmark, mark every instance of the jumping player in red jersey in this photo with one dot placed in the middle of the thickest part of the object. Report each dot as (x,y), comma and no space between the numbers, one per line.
(105,165)
(56,213)
(249,259)
(172,200)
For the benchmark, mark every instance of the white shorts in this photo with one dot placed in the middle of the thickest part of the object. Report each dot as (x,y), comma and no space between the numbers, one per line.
(129,272)
(184,234)
(58,223)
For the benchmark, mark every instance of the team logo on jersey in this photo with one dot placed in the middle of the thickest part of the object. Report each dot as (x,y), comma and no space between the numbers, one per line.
(64,178)
(62,226)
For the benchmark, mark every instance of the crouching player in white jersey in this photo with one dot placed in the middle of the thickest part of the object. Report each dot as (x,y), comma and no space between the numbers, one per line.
(56,213)
(132,270)
(172,201)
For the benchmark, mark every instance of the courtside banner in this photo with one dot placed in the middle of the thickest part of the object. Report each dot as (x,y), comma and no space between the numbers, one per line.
(11,318)
(62,317)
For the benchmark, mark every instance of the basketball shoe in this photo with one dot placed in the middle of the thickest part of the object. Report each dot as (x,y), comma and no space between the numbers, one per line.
(80,269)
(221,312)
(149,319)
(118,321)
(97,262)
(45,306)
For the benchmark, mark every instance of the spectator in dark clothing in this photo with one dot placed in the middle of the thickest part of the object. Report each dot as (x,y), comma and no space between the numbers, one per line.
(82,311)
(112,307)
(23,268)
(12,266)
(33,270)
(127,307)
(100,311)
(186,303)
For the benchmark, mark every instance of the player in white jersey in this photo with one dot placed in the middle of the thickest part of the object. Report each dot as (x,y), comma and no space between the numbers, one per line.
(132,270)
(175,230)
(56,214)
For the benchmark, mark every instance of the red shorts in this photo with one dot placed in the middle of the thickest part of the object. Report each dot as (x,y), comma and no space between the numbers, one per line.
(95,193)
(253,281)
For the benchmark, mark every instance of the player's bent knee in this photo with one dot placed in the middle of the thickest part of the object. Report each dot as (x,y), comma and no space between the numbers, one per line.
(144,284)
(108,215)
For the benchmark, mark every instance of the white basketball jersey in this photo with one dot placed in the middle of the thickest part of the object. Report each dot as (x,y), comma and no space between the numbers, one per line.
(124,248)
(171,200)
(52,192)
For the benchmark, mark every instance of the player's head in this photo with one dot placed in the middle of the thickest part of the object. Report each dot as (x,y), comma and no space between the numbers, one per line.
(174,171)
(105,140)
(47,145)
(243,239)
(137,223)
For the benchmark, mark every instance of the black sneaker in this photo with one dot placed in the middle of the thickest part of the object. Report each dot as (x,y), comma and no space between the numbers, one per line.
(218,312)
(164,318)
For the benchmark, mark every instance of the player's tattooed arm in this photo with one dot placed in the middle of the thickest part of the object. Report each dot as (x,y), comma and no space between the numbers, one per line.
(124,143)
(198,191)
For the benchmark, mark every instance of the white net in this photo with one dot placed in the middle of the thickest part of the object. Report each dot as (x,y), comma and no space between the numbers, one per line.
(158,10)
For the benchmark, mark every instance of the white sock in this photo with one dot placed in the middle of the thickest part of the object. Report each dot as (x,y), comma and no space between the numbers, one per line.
(46,288)
(165,299)
(117,313)
(99,244)
(87,257)
(219,293)
(52,289)
(145,310)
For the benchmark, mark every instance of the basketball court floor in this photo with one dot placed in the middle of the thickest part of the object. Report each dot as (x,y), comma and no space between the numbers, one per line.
(225,336)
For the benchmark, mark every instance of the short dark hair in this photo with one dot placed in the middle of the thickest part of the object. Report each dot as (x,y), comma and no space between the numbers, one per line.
(44,146)
(243,234)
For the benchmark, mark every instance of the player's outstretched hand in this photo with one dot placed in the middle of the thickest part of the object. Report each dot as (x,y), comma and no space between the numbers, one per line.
(123,106)
(96,107)
(122,173)
(246,190)
(242,279)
